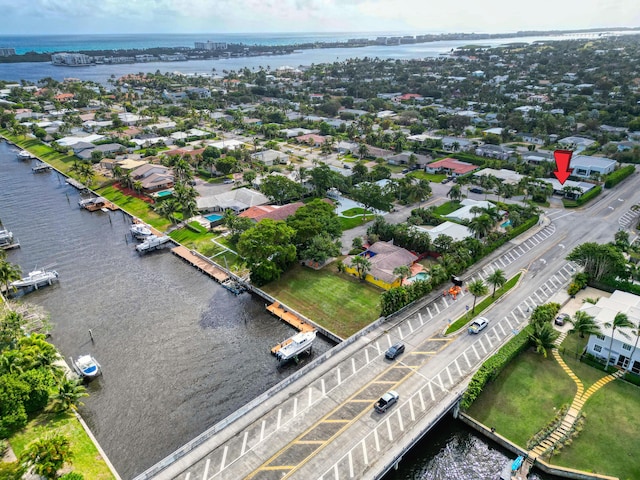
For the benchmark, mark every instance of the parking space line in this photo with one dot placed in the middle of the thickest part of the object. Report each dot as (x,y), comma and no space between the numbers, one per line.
(400,423)
(430,314)
(450,377)
(375,438)
(262,430)
(339,375)
(351,474)
(488,338)
(411,412)
(389,340)
(364,452)
(279,419)
(501,328)
(484,349)
(400,334)
(410,326)
(436,305)
(366,355)
(538,297)
(509,323)
(206,469)
(521,312)
(336,475)
(310,393)
(444,300)
(458,367)
(421,400)
(515,319)
(501,261)
(420,318)
(246,436)
(464,354)
(473,347)
(433,397)
(389,429)
(224,457)
(378,348)
(522,251)
(324,390)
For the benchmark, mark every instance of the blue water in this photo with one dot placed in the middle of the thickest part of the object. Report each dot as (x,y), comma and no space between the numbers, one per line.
(506,224)
(213,217)
(418,276)
(164,193)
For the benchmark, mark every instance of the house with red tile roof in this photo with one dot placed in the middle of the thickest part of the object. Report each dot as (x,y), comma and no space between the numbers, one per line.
(64,97)
(274,212)
(450,166)
(184,151)
(312,139)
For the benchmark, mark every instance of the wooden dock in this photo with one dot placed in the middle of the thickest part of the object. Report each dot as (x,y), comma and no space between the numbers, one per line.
(201,264)
(75,184)
(292,319)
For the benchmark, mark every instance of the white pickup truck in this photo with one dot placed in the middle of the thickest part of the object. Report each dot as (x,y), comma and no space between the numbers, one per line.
(386,401)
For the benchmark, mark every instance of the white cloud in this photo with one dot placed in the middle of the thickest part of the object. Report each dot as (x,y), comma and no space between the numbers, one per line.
(172,16)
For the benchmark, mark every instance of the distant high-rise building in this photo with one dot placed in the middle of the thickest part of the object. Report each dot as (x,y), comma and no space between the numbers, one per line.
(7,51)
(209,45)
(71,59)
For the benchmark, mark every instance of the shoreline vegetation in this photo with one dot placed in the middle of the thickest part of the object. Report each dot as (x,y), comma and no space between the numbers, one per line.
(245,50)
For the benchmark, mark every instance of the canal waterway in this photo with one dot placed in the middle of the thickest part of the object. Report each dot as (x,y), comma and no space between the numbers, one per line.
(179,352)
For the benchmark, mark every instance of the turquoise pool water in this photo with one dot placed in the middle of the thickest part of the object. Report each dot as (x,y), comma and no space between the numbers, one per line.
(418,276)
(164,193)
(506,224)
(214,217)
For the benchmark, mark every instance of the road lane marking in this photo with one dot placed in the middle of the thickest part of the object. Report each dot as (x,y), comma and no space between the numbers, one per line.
(224,457)
(206,469)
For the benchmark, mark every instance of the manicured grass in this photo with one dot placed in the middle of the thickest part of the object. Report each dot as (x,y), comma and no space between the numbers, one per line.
(524,397)
(135,206)
(190,238)
(86,460)
(483,305)
(353,211)
(349,223)
(432,177)
(608,444)
(446,208)
(338,302)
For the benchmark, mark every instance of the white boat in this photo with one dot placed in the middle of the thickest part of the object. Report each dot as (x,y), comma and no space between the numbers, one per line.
(24,155)
(6,237)
(86,366)
(36,278)
(140,231)
(152,242)
(292,347)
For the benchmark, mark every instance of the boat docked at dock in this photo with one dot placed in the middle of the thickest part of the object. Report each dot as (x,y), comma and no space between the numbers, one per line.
(86,366)
(36,279)
(140,231)
(153,242)
(40,168)
(7,241)
(24,155)
(294,346)
(96,203)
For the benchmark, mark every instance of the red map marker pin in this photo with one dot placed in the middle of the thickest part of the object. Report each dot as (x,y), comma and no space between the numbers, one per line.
(563,159)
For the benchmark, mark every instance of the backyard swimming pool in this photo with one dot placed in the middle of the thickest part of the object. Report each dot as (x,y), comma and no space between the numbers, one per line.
(164,193)
(214,217)
(418,276)
(506,224)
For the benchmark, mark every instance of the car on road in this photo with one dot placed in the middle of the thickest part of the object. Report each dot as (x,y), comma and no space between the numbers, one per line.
(228,181)
(386,401)
(394,350)
(476,190)
(444,180)
(406,170)
(561,319)
(478,325)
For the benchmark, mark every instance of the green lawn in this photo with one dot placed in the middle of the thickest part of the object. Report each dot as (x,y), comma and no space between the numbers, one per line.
(353,211)
(524,398)
(136,207)
(338,302)
(349,223)
(448,207)
(432,177)
(86,460)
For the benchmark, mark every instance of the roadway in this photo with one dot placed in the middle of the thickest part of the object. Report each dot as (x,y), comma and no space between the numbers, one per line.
(323,425)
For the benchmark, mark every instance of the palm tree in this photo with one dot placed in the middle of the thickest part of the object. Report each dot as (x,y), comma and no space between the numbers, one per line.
(584,324)
(619,321)
(543,337)
(418,191)
(362,265)
(402,271)
(636,332)
(497,279)
(8,273)
(455,193)
(477,288)
(481,225)
(363,150)
(69,394)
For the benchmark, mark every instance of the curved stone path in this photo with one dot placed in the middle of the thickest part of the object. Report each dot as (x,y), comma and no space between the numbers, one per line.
(578,401)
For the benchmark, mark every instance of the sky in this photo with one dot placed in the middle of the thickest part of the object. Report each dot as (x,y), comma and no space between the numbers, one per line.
(256,16)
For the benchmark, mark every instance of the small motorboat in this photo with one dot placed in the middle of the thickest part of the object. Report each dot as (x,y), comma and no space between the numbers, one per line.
(86,366)
(24,155)
(140,231)
(36,278)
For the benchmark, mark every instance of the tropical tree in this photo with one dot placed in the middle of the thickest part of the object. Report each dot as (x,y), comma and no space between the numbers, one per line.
(598,260)
(168,208)
(418,191)
(362,265)
(481,225)
(371,196)
(543,336)
(497,279)
(363,150)
(69,394)
(281,189)
(584,324)
(455,192)
(636,333)
(9,273)
(619,321)
(47,455)
(477,288)
(402,271)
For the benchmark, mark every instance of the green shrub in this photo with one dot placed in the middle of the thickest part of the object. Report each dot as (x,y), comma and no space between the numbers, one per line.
(617,176)
(594,192)
(492,367)
(573,289)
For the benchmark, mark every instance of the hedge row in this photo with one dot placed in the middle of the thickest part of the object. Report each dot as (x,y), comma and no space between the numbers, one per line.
(594,192)
(511,233)
(492,367)
(610,285)
(617,176)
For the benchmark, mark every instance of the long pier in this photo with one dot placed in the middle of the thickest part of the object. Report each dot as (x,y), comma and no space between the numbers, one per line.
(200,263)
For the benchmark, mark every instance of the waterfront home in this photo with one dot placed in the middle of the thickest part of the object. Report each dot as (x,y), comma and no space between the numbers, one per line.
(153,177)
(384,258)
(237,200)
(622,351)
(274,212)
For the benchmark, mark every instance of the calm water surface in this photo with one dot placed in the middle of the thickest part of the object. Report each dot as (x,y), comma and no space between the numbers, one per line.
(179,352)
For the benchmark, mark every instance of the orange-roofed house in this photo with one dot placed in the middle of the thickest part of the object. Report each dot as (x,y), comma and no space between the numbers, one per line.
(384,258)
(64,97)
(450,166)
(312,139)
(274,212)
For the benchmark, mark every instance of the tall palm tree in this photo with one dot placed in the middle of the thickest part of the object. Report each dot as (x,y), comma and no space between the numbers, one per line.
(543,337)
(477,288)
(481,225)
(47,455)
(635,332)
(402,271)
(455,193)
(8,273)
(362,266)
(497,279)
(619,321)
(69,394)
(584,324)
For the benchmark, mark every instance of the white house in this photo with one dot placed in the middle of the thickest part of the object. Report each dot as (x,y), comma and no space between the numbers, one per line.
(464,212)
(623,352)
(586,165)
